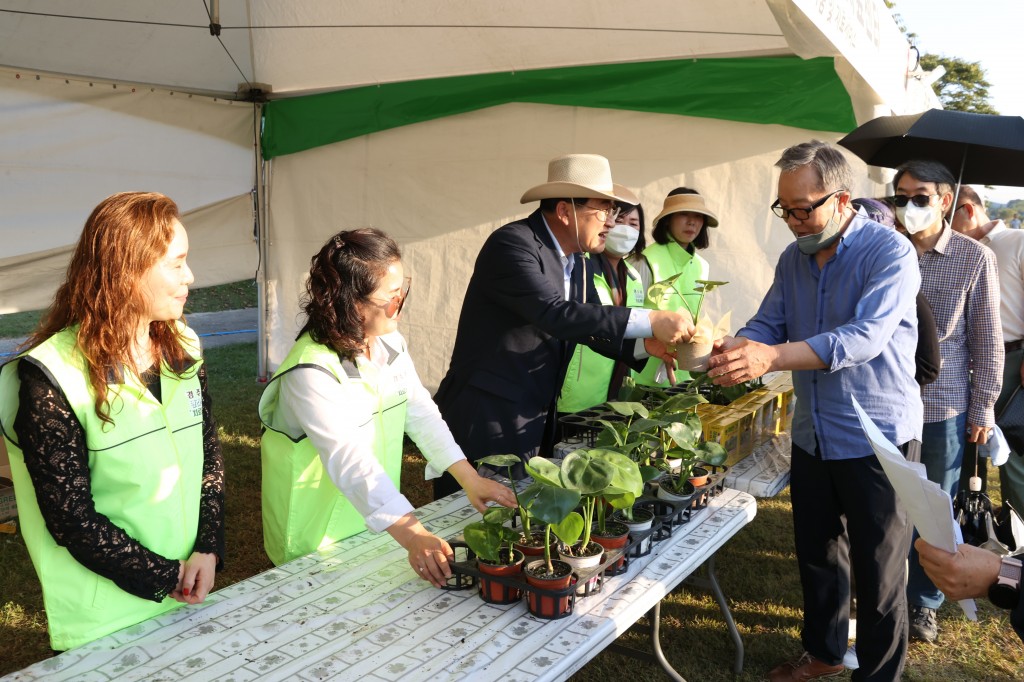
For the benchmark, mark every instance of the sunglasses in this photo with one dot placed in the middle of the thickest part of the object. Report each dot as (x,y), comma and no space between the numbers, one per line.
(919,200)
(392,306)
(802,214)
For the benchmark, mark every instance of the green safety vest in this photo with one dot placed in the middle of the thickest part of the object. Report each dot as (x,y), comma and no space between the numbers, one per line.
(146,476)
(589,372)
(665,261)
(302,508)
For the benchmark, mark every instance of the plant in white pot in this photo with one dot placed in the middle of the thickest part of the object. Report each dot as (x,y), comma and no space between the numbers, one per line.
(692,355)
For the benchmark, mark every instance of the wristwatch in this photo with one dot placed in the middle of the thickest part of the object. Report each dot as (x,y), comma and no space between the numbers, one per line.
(1005,591)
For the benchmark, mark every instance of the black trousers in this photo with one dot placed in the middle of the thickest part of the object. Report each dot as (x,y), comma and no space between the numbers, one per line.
(843,511)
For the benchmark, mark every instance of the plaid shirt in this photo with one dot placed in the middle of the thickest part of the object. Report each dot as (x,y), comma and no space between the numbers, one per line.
(959,279)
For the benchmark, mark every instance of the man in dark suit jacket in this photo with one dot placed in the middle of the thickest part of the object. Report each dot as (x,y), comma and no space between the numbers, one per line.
(529,301)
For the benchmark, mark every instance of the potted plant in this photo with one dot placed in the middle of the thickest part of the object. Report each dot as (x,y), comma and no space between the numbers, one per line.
(529,540)
(548,504)
(600,477)
(491,540)
(692,355)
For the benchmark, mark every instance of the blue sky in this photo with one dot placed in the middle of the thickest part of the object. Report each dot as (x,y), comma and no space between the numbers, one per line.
(987,31)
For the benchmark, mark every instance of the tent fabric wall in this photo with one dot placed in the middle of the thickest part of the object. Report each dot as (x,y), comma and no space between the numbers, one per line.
(220,251)
(67,144)
(440,187)
(784,90)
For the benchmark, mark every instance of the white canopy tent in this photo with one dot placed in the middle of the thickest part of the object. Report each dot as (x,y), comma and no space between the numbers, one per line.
(436,116)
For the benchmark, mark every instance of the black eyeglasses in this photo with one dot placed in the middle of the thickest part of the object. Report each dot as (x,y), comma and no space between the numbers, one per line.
(802,214)
(919,200)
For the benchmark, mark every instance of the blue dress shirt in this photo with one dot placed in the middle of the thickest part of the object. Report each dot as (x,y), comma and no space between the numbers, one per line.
(858,314)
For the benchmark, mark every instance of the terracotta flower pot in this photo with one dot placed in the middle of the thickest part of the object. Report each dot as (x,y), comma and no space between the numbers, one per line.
(616,536)
(693,357)
(494,592)
(543,605)
(698,476)
(535,548)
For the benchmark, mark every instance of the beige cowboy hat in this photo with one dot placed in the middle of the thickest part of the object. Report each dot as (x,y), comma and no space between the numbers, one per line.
(579,176)
(694,203)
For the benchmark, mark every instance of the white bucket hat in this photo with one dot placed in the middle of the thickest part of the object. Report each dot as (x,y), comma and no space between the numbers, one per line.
(579,176)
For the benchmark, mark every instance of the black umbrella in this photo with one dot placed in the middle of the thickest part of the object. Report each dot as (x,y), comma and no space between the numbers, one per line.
(982,148)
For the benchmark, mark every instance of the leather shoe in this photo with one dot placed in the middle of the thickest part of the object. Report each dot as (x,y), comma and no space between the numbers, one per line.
(806,667)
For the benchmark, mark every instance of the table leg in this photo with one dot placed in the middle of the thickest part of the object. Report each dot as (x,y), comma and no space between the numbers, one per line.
(710,581)
(654,628)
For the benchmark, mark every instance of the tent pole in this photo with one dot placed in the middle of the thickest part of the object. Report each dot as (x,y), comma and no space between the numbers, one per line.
(263,222)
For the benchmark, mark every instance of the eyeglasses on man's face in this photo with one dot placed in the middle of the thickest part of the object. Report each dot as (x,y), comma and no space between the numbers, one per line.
(605,213)
(919,200)
(392,306)
(801,214)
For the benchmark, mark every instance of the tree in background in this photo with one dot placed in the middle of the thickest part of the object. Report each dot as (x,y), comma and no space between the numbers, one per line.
(1007,212)
(963,87)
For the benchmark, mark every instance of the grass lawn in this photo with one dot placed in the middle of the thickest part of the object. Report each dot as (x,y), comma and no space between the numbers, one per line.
(757,571)
(230,296)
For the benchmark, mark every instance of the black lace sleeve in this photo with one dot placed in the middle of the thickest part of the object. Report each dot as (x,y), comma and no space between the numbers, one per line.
(210,538)
(53,442)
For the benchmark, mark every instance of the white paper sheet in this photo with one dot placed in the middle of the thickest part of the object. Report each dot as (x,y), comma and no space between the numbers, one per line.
(929,507)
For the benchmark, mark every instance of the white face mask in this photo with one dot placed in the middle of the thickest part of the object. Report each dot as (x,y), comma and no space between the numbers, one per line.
(621,239)
(917,218)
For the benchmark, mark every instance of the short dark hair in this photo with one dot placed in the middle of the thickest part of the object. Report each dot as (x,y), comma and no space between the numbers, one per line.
(663,235)
(926,171)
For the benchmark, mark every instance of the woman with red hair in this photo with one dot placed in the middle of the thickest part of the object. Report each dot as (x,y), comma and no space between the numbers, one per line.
(107,419)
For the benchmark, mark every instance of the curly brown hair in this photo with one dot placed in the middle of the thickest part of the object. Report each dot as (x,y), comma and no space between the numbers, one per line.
(346,271)
(102,293)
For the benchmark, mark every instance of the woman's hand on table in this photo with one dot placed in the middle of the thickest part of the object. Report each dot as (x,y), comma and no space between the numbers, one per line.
(429,555)
(481,490)
(195,579)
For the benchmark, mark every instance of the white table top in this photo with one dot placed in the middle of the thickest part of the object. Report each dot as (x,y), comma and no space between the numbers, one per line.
(357,612)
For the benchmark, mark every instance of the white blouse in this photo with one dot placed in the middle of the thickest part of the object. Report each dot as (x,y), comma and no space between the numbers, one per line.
(313,402)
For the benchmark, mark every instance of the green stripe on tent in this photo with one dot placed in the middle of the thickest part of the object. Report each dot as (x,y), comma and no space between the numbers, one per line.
(783,90)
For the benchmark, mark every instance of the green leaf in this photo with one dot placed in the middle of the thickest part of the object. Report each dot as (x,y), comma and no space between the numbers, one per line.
(683,402)
(628,409)
(706,285)
(484,539)
(552,504)
(713,454)
(649,473)
(570,529)
(621,500)
(626,474)
(582,472)
(645,425)
(499,460)
(544,470)
(499,515)
(682,434)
